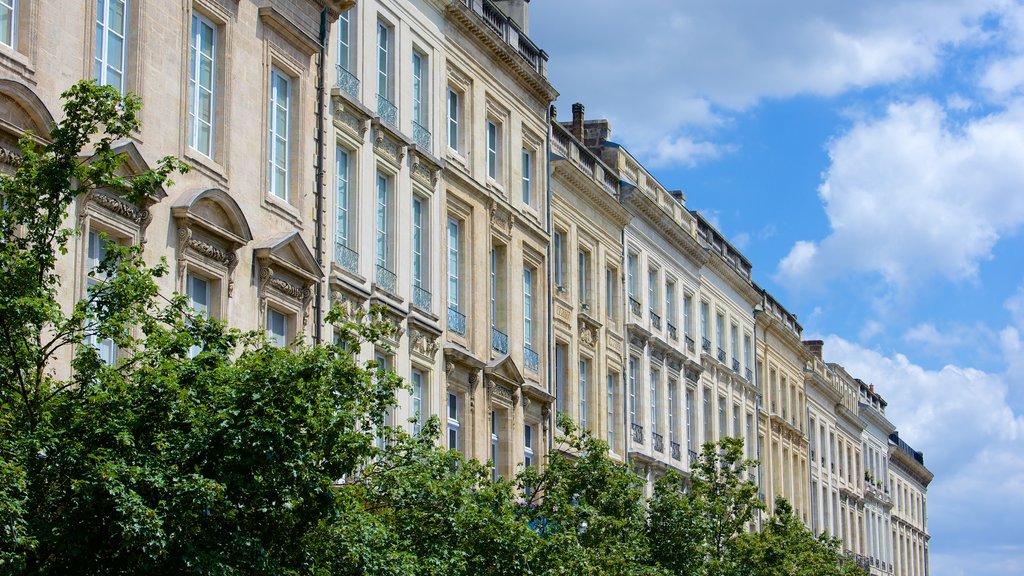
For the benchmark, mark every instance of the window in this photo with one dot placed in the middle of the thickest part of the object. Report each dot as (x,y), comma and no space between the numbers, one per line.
(687,312)
(558,255)
(584,365)
(493,136)
(342,165)
(198,291)
(704,311)
(96,252)
(612,380)
(736,432)
(111,42)
(673,427)
(279,126)
(561,355)
(345,41)
(420,114)
(610,293)
(689,420)
(8,22)
(383,222)
(734,337)
(384,61)
(453,263)
(722,430)
(632,390)
(527,177)
(453,422)
(632,271)
(498,296)
(453,119)
(202,77)
(670,302)
(277,328)
(528,445)
(654,401)
(495,444)
(584,279)
(652,290)
(750,435)
(419,258)
(708,434)
(720,332)
(747,351)
(528,308)
(416,400)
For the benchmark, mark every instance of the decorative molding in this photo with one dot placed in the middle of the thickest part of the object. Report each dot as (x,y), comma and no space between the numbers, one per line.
(588,335)
(140,216)
(426,172)
(423,342)
(10,157)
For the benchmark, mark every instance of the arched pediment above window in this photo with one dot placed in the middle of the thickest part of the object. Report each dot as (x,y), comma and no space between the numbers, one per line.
(211,229)
(21,111)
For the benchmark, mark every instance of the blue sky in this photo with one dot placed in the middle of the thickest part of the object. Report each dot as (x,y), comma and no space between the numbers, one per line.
(868,158)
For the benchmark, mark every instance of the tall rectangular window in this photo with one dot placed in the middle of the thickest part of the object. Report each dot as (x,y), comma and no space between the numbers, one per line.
(202,76)
(383,221)
(673,427)
(198,292)
(419,90)
(704,310)
(345,41)
(8,22)
(495,446)
(736,432)
(96,252)
(454,424)
(652,290)
(750,435)
(492,150)
(279,126)
(527,177)
(561,357)
(454,247)
(670,302)
(747,351)
(632,272)
(655,375)
(610,401)
(528,446)
(720,330)
(416,400)
(584,278)
(558,255)
(632,390)
(383,61)
(722,430)
(418,242)
(341,184)
(687,315)
(734,337)
(584,366)
(690,432)
(277,328)
(111,42)
(453,119)
(528,307)
(708,423)
(609,293)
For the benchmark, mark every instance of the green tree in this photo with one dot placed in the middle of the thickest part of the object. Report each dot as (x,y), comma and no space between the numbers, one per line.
(785,547)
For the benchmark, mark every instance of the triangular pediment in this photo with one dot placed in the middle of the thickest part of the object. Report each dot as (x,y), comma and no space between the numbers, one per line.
(290,252)
(135,163)
(505,368)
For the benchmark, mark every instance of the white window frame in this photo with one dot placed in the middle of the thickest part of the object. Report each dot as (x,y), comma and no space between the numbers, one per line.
(495,447)
(385,45)
(582,399)
(493,140)
(104,34)
(197,307)
(279,339)
(611,410)
(383,250)
(690,433)
(420,79)
(633,415)
(420,239)
(454,117)
(528,454)
(95,253)
(527,177)
(673,429)
(343,192)
(277,134)
(454,422)
(655,375)
(345,41)
(10,7)
(528,310)
(584,276)
(196,89)
(454,262)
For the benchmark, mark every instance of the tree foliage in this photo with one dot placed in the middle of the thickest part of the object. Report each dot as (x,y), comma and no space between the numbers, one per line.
(251,459)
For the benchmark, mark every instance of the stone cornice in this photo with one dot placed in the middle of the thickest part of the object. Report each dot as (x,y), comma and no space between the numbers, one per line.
(595,192)
(680,238)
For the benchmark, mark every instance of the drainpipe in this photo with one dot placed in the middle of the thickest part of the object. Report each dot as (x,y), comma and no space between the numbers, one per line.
(318,248)
(551,297)
(760,403)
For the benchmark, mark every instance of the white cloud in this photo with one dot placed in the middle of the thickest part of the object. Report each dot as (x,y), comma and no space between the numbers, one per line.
(911,195)
(659,68)
(974,443)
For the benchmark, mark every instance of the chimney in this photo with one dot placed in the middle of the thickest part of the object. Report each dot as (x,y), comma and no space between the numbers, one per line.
(518,11)
(596,132)
(577,121)
(815,347)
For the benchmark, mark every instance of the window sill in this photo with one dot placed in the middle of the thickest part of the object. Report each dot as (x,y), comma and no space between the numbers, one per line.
(17,62)
(206,165)
(282,209)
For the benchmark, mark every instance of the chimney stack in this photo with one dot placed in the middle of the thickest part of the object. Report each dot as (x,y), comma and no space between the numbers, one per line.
(577,121)
(815,347)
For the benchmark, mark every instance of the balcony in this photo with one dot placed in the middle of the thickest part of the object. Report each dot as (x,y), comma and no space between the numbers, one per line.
(634,306)
(721,356)
(531,359)
(421,298)
(348,82)
(638,433)
(750,375)
(693,457)
(659,442)
(655,320)
(677,452)
(705,345)
(672,332)
(386,279)
(346,257)
(691,346)
(456,321)
(509,32)
(387,111)
(499,341)
(735,365)
(421,136)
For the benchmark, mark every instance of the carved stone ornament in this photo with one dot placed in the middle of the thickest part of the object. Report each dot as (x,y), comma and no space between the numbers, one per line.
(588,336)
(120,207)
(10,157)
(423,342)
(675,364)
(658,354)
(501,391)
(424,171)
(449,367)
(502,219)
(637,341)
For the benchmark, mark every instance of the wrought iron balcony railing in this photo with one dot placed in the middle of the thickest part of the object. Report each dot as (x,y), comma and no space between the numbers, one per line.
(672,332)
(693,457)
(531,359)
(348,82)
(386,279)
(421,298)
(346,257)
(638,433)
(721,356)
(705,345)
(499,341)
(676,451)
(456,321)
(690,345)
(655,320)
(659,442)
(749,374)
(634,306)
(387,111)
(735,365)
(421,136)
